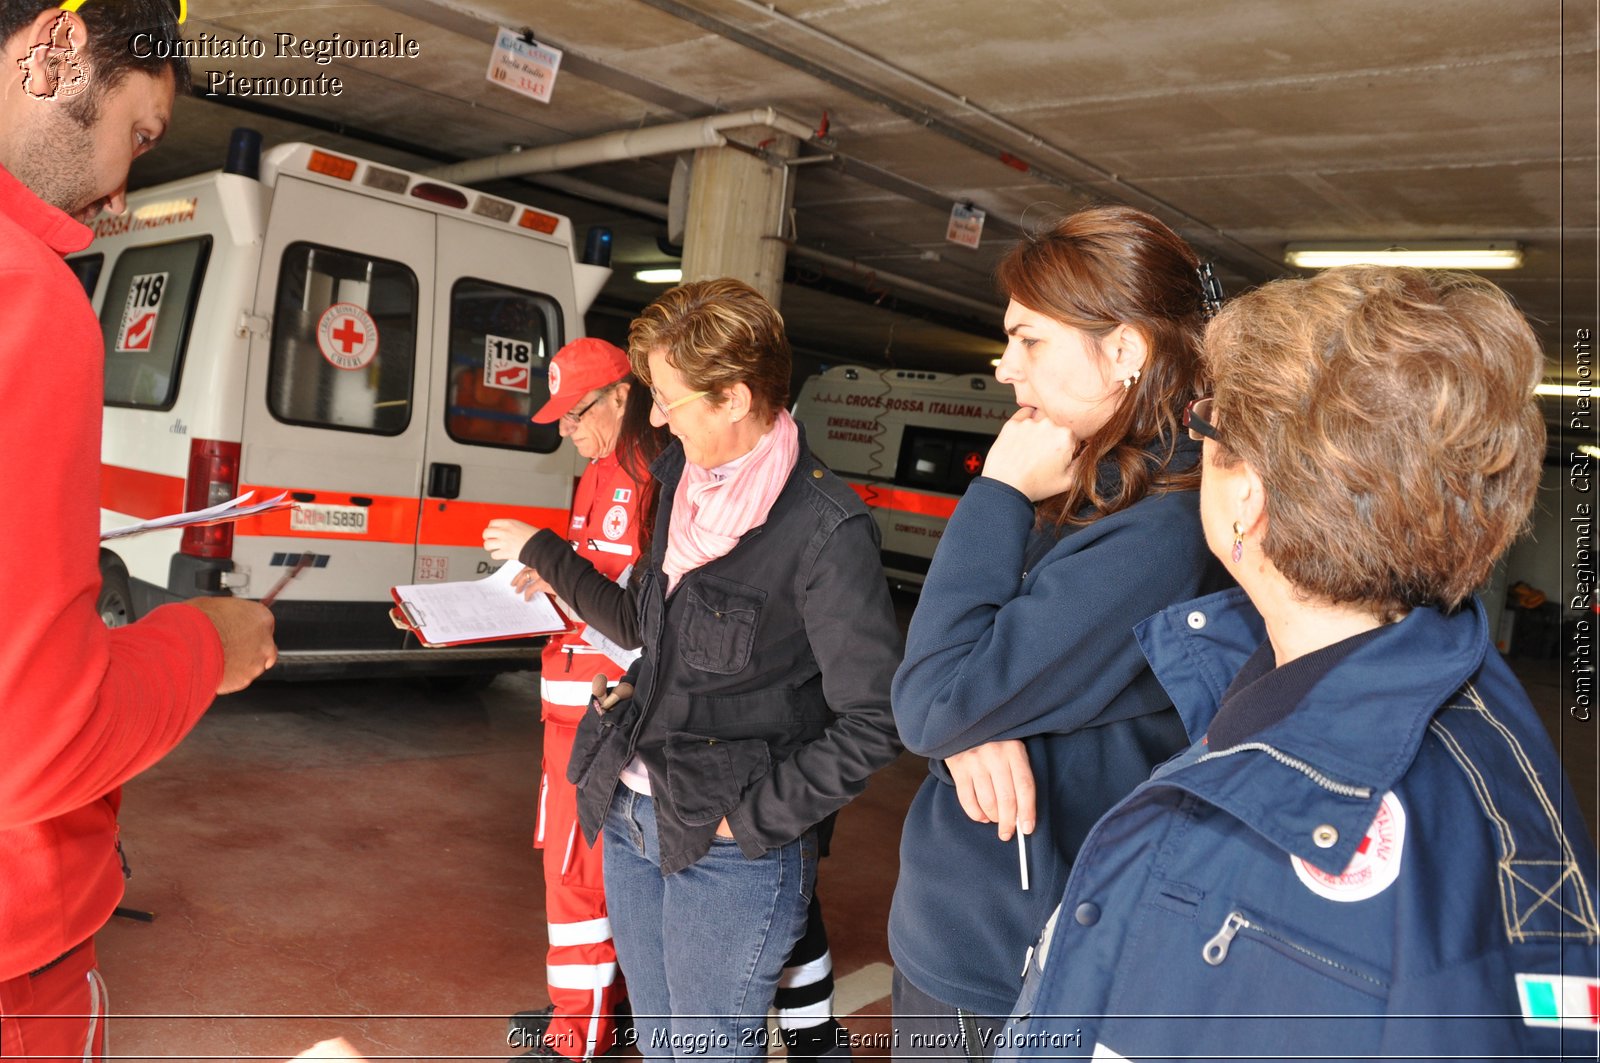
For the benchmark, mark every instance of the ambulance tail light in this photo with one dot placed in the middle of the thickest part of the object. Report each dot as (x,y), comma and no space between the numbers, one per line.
(539,221)
(440,194)
(213,479)
(331,165)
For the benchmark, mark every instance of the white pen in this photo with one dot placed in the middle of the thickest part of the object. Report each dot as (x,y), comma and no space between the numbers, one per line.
(1022,856)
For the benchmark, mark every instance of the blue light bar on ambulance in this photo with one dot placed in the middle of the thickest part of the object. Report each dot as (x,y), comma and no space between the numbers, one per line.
(440,194)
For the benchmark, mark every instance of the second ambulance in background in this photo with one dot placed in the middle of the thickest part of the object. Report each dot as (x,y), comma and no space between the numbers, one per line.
(909,443)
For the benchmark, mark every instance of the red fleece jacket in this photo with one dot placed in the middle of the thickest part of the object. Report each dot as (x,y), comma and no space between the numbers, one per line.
(82,709)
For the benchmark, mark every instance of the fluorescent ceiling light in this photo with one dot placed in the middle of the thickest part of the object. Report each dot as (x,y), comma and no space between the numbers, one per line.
(1419,254)
(994,362)
(1593,452)
(658,276)
(1567,391)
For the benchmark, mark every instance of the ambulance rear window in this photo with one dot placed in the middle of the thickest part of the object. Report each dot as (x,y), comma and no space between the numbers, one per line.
(501,340)
(344,341)
(941,460)
(145,319)
(87,270)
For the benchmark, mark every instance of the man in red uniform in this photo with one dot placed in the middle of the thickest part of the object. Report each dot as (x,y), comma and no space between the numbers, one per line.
(589,385)
(82,709)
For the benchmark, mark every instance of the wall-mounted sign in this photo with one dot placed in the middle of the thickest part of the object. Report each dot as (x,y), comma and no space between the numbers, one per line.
(523,65)
(966,225)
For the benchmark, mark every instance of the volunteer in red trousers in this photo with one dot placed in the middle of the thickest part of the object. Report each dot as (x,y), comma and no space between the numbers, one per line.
(589,386)
(83,709)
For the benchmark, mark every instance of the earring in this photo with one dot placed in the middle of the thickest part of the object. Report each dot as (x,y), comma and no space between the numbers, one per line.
(55,64)
(1129,381)
(1238,542)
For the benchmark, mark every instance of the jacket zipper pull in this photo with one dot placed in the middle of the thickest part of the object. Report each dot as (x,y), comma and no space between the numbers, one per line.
(569,658)
(1216,949)
(122,857)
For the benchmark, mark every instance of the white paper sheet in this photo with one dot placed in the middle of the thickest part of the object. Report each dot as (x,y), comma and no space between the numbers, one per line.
(223,513)
(488,608)
(623,658)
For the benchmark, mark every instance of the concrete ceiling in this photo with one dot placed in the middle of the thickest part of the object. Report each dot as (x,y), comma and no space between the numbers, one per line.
(1246,125)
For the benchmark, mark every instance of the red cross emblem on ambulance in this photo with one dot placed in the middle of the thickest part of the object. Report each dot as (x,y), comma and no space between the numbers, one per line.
(347,336)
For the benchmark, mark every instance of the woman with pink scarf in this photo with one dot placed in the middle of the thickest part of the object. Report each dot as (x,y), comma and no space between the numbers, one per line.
(761,704)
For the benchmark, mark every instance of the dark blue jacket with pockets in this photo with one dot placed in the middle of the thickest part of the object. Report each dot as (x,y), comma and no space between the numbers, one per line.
(1400,850)
(1021,633)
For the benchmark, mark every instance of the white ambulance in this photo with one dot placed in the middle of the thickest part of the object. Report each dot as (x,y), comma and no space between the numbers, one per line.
(368,340)
(909,443)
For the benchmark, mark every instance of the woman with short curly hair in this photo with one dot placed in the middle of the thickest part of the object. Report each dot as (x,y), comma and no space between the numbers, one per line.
(761,704)
(1370,850)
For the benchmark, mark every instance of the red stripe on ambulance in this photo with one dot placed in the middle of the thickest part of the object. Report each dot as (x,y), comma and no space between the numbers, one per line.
(899,498)
(139,493)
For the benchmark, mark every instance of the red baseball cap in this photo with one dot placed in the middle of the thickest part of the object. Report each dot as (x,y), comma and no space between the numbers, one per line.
(577,369)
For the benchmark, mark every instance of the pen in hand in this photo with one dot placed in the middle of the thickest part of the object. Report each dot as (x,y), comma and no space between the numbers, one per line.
(299,567)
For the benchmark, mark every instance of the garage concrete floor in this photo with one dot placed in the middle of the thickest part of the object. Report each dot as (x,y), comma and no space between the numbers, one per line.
(352,860)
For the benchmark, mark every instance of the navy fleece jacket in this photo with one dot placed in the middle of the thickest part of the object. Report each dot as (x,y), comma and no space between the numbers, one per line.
(1023,634)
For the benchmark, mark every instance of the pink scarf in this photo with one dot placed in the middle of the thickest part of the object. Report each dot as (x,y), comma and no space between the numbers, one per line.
(713,508)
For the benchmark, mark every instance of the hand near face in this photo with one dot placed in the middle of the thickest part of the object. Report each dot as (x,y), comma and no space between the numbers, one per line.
(504,539)
(1032,454)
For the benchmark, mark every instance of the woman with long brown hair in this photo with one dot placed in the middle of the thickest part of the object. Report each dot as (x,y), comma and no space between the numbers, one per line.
(1022,682)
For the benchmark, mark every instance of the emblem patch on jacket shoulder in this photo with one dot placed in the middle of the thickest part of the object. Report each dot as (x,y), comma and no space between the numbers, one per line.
(615,524)
(1373,868)
(1560,1000)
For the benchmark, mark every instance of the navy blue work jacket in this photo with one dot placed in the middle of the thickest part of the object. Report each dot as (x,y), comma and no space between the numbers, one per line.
(1396,867)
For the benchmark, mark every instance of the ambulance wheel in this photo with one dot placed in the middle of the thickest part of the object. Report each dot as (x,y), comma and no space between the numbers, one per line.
(115,604)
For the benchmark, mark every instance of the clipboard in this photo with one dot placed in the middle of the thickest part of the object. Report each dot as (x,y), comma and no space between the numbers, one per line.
(485,610)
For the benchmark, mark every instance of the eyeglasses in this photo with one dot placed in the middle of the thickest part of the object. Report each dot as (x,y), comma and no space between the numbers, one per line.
(575,417)
(1197,419)
(668,407)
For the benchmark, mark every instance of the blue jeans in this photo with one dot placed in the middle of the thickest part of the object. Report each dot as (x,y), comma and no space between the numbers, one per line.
(703,947)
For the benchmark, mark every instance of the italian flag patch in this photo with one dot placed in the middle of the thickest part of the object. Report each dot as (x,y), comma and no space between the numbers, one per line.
(622,494)
(1565,1001)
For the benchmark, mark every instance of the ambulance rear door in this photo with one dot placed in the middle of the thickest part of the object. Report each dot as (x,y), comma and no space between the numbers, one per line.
(335,410)
(503,306)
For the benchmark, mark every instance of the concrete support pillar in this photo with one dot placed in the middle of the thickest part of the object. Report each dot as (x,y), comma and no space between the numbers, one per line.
(737,201)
